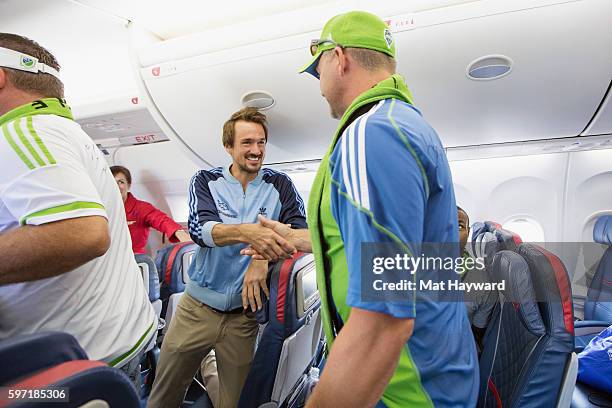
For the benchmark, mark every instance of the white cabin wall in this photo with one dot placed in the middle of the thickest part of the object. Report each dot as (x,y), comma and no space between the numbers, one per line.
(506,188)
(589,187)
(160,175)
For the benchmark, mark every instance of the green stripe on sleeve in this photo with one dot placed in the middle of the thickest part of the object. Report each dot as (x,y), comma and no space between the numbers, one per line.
(405,388)
(39,141)
(132,350)
(27,143)
(16,148)
(78,205)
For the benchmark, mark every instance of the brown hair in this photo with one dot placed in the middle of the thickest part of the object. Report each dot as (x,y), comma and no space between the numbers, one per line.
(248,115)
(36,83)
(372,60)
(120,169)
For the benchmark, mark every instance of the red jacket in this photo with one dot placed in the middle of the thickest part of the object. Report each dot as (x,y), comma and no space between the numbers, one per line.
(140,217)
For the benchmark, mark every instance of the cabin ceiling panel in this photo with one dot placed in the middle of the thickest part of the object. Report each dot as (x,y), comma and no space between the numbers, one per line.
(559,75)
(197,102)
(551,91)
(90,45)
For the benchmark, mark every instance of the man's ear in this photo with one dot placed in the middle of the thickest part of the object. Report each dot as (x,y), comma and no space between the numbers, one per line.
(343,61)
(228,149)
(3,78)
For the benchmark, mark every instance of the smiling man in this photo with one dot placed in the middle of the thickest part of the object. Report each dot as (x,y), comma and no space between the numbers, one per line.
(224,204)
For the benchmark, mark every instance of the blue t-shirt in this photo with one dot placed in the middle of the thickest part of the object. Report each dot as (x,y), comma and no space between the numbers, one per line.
(391,183)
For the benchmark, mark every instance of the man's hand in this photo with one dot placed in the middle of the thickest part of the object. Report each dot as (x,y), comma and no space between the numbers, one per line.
(267,243)
(300,239)
(254,282)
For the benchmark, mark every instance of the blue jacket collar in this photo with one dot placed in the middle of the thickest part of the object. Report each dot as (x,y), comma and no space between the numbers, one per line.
(228,176)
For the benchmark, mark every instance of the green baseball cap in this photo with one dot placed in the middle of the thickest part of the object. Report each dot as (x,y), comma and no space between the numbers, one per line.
(355,29)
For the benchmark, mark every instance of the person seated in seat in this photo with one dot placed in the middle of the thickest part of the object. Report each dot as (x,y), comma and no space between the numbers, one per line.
(66,263)
(480,304)
(141,215)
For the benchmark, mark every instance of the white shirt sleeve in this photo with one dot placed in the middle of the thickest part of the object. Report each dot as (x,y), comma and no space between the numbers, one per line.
(54,186)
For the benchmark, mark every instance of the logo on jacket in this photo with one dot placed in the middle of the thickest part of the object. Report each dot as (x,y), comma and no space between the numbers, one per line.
(222,205)
(262,210)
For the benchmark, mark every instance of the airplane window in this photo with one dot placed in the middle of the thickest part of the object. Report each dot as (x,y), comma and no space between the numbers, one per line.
(529,230)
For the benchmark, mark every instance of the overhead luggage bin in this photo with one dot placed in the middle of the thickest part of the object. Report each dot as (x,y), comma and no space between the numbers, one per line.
(481,73)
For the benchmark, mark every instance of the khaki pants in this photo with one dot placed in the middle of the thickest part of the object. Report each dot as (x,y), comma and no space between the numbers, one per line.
(210,375)
(194,331)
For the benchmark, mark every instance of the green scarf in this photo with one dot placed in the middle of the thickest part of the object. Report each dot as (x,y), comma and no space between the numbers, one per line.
(47,106)
(392,87)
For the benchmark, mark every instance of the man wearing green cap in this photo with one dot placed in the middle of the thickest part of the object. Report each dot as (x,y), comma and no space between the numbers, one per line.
(384,179)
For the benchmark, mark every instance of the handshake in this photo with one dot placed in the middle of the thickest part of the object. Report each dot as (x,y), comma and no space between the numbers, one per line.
(268,241)
(271,240)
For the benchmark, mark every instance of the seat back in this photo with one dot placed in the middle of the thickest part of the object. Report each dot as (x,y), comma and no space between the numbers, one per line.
(289,342)
(55,360)
(172,266)
(148,269)
(83,382)
(33,352)
(509,240)
(529,344)
(598,305)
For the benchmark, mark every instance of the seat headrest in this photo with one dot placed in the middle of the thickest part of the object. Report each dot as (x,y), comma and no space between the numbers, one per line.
(492,226)
(485,247)
(602,232)
(173,263)
(514,270)
(149,271)
(476,229)
(552,287)
(508,239)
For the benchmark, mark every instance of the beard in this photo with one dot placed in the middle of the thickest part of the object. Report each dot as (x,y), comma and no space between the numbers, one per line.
(247,169)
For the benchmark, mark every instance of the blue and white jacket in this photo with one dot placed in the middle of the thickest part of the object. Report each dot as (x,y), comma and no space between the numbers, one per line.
(215,196)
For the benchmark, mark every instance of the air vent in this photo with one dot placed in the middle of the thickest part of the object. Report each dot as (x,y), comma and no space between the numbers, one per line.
(258,99)
(489,67)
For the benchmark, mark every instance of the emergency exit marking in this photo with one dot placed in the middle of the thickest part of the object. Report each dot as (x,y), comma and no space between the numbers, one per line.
(141,139)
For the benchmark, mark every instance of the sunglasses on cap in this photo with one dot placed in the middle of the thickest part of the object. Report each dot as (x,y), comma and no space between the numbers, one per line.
(314,45)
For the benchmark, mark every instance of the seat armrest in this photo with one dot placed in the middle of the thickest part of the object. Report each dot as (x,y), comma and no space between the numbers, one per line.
(586,327)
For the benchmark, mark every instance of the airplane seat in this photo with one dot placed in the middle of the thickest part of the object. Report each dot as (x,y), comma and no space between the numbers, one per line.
(151,280)
(486,246)
(37,351)
(290,341)
(172,266)
(492,226)
(598,305)
(55,360)
(509,240)
(476,229)
(531,333)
